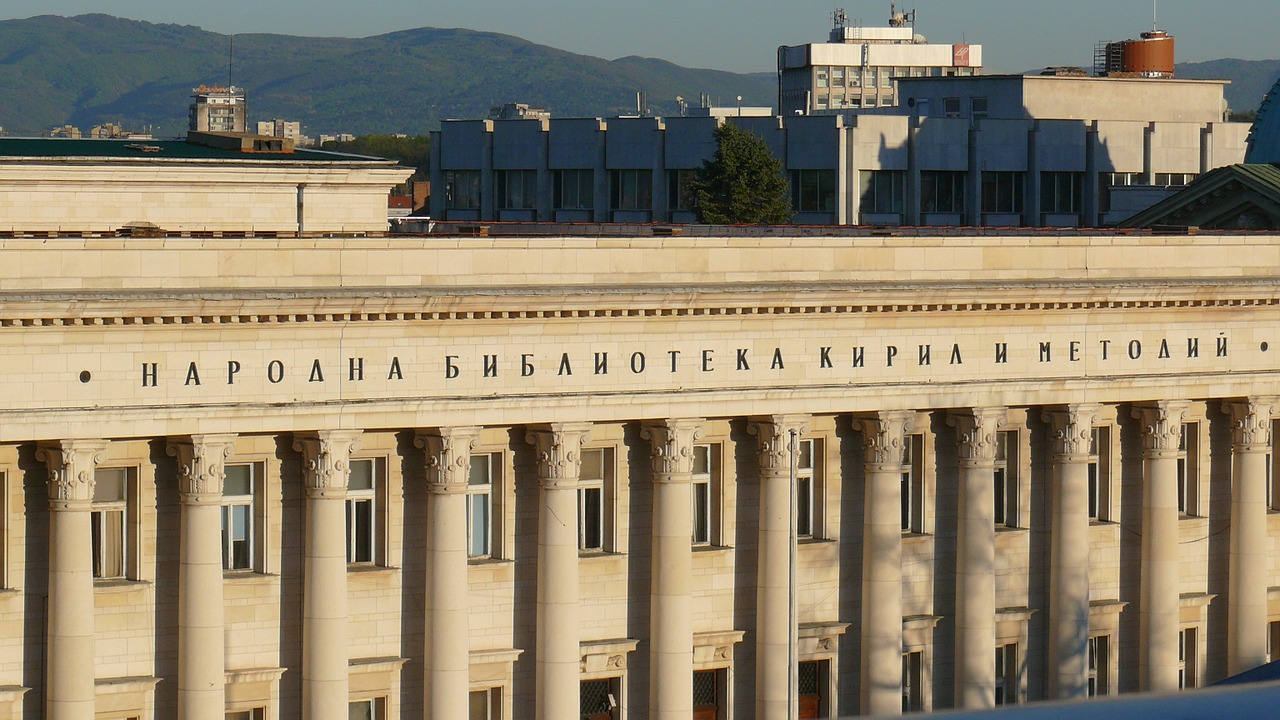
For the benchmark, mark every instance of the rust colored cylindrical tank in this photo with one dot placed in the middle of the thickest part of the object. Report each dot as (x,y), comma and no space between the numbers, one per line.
(1152,56)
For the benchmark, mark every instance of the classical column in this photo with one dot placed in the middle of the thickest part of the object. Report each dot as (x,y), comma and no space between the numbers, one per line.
(1247,593)
(448,657)
(976,557)
(326,470)
(1071,434)
(201,472)
(884,439)
(559,451)
(671,611)
(69,685)
(1159,593)
(779,442)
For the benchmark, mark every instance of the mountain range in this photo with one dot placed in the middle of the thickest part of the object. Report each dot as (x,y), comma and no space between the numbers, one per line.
(92,69)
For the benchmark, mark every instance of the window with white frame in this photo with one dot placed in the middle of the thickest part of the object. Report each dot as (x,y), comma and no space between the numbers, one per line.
(485,704)
(363,526)
(600,699)
(808,490)
(1006,479)
(1007,675)
(239,506)
(704,488)
(480,487)
(913,681)
(913,484)
(1173,179)
(1189,470)
(1100,474)
(1099,665)
(109,522)
(1109,180)
(1187,655)
(592,481)
(369,709)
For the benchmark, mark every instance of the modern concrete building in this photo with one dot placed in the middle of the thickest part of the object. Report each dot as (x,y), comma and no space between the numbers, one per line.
(858,66)
(1010,150)
(218,109)
(617,477)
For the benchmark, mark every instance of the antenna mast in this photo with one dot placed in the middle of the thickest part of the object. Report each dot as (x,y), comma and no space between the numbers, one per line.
(1155,15)
(231,53)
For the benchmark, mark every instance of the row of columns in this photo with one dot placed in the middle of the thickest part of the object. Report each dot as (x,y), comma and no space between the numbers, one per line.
(326,461)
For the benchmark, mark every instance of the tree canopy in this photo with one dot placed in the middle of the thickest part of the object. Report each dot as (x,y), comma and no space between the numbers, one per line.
(742,183)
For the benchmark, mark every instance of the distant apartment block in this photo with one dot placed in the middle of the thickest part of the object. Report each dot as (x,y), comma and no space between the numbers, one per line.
(66,131)
(218,109)
(281,129)
(857,67)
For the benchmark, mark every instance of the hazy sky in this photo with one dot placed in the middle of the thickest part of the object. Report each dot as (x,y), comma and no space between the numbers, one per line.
(737,35)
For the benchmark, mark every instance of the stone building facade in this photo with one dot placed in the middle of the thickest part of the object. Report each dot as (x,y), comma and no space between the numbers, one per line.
(553,477)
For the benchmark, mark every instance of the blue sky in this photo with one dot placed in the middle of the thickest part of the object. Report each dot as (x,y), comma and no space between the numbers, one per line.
(737,35)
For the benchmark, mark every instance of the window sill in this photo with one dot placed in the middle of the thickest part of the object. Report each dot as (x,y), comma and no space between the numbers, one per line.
(1095,522)
(370,569)
(599,555)
(1003,529)
(910,535)
(712,549)
(119,585)
(814,541)
(248,577)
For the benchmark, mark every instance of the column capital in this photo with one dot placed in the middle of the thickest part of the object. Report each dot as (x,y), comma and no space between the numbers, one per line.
(71,464)
(326,461)
(884,437)
(448,457)
(774,442)
(1161,426)
(1251,423)
(201,467)
(559,449)
(976,434)
(672,444)
(1071,430)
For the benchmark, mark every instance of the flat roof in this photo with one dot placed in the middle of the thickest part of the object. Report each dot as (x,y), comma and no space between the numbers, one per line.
(170,149)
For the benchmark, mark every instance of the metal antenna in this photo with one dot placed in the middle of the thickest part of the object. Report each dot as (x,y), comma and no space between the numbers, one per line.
(1155,15)
(231,53)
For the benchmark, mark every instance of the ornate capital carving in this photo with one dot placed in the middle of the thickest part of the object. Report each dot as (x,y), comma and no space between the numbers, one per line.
(976,434)
(672,443)
(71,464)
(1161,426)
(1071,431)
(773,436)
(326,461)
(202,466)
(1251,423)
(448,458)
(884,438)
(559,449)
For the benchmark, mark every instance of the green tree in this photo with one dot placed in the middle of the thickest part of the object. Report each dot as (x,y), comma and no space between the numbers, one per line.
(742,183)
(414,152)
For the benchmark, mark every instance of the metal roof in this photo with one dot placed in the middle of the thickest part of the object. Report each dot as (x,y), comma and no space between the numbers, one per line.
(1264,136)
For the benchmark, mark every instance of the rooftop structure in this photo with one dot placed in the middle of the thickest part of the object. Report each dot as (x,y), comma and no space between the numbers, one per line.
(218,109)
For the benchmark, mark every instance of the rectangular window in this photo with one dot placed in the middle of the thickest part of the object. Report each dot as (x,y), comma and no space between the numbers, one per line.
(596,472)
(517,189)
(1187,655)
(599,699)
(704,469)
(813,190)
(942,191)
(837,77)
(480,506)
(951,106)
(820,76)
(812,689)
(1006,479)
(709,694)
(631,189)
(371,709)
(462,189)
(239,504)
(1007,681)
(485,704)
(883,191)
(1099,664)
(575,189)
(808,491)
(1273,641)
(1189,470)
(978,107)
(913,484)
(1002,192)
(680,194)
(1061,192)
(110,513)
(362,518)
(1173,179)
(254,714)
(913,681)
(1100,474)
